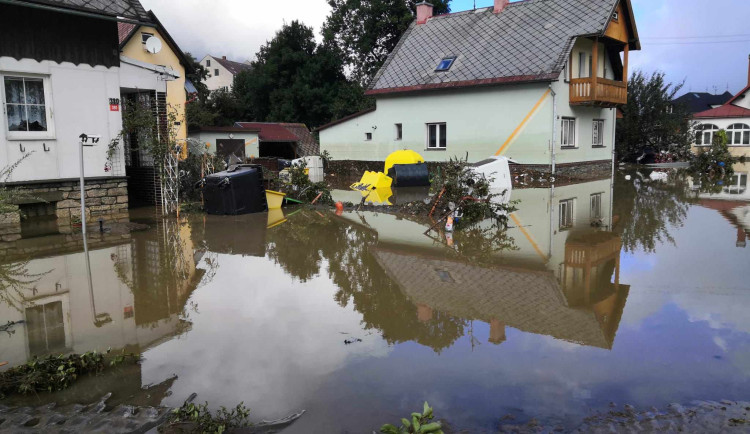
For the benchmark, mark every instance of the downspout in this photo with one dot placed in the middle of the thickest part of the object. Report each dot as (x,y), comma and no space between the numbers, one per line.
(554,131)
(612,178)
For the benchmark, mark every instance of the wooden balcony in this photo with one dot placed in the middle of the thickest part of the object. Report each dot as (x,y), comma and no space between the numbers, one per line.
(598,92)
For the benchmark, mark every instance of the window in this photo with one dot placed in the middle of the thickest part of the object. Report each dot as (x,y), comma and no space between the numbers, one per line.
(567,211)
(436,136)
(368,136)
(445,64)
(208,62)
(597,135)
(399,131)
(216,72)
(704,135)
(26,109)
(568,134)
(145,36)
(616,16)
(738,135)
(596,206)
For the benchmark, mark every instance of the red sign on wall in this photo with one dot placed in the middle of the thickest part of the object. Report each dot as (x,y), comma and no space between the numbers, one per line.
(114,104)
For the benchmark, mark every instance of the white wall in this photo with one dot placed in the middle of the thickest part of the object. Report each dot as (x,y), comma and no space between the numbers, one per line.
(479,122)
(214,82)
(79,104)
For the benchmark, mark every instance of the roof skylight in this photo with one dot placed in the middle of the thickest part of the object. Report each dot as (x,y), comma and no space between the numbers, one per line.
(445,64)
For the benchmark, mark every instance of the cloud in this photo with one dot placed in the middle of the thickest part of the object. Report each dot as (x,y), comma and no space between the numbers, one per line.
(232,28)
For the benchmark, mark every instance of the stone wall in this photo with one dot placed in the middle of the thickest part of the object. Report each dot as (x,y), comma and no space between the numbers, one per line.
(104,196)
(579,171)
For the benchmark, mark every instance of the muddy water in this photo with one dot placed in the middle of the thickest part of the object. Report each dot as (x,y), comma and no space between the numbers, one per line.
(626,291)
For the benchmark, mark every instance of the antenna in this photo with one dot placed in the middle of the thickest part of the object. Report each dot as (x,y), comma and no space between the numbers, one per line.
(153,45)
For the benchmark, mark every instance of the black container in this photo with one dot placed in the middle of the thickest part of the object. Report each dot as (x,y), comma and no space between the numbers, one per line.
(410,175)
(238,190)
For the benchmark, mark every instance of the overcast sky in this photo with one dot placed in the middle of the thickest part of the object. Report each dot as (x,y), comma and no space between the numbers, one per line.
(705,43)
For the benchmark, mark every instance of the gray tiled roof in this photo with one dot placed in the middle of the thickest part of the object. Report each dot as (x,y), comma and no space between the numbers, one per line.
(129,9)
(530,40)
(233,67)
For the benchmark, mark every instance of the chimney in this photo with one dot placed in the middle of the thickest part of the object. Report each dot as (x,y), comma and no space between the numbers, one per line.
(500,5)
(224,57)
(424,12)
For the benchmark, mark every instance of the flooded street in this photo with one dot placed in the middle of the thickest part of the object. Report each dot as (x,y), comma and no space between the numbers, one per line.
(627,291)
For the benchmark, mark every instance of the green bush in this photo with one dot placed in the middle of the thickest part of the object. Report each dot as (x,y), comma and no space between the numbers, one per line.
(419,423)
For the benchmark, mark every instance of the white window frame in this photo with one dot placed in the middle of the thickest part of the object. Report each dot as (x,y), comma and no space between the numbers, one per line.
(565,141)
(29,135)
(208,63)
(399,131)
(738,129)
(368,137)
(438,136)
(582,65)
(596,206)
(597,133)
(706,131)
(566,214)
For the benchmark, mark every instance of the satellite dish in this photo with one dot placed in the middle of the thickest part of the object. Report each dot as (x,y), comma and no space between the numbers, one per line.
(153,45)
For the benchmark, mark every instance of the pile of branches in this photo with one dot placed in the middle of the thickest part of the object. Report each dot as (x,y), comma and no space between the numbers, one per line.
(301,188)
(467,194)
(55,373)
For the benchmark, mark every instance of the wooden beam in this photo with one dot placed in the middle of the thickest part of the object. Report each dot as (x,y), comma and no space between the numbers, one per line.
(625,66)
(595,68)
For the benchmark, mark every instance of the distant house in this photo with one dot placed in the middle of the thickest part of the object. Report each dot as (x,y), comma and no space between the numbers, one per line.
(283,140)
(60,69)
(537,81)
(701,101)
(733,117)
(221,71)
(159,80)
(247,140)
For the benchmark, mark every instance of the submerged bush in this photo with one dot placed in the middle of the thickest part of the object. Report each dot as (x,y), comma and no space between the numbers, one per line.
(199,419)
(55,373)
(716,160)
(301,188)
(419,423)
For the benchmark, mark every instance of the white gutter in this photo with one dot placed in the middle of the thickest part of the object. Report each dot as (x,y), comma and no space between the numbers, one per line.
(554,131)
(170,73)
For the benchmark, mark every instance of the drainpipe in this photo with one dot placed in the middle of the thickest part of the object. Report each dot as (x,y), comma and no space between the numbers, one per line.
(554,131)
(612,177)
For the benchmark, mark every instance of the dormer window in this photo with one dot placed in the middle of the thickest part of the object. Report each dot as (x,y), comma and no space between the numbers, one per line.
(445,64)
(145,36)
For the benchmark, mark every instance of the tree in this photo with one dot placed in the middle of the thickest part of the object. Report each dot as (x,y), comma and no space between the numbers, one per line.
(220,108)
(293,79)
(197,77)
(366,31)
(652,120)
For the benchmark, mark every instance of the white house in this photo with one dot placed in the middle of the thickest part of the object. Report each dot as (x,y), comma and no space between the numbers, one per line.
(732,117)
(221,71)
(60,68)
(537,81)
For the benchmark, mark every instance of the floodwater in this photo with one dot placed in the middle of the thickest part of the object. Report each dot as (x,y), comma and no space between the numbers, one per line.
(626,291)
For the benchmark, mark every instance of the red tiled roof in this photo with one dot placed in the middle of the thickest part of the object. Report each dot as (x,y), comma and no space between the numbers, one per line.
(271,132)
(124,30)
(742,92)
(726,111)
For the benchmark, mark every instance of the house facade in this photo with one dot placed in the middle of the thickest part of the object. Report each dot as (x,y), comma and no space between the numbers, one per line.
(60,68)
(221,71)
(732,117)
(536,81)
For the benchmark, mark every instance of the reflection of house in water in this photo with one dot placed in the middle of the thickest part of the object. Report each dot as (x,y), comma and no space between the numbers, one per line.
(141,282)
(563,281)
(732,202)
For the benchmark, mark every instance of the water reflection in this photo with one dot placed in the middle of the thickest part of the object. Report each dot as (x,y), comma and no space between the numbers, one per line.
(133,298)
(626,290)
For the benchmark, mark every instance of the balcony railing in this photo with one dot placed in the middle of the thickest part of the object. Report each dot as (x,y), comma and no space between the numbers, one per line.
(602,92)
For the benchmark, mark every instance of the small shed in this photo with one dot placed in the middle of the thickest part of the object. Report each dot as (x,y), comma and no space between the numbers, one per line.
(244,143)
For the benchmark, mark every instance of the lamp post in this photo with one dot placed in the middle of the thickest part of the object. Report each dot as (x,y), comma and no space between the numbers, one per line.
(86,141)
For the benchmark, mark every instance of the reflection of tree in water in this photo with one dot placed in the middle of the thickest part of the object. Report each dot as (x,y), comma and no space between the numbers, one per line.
(647,210)
(300,246)
(15,279)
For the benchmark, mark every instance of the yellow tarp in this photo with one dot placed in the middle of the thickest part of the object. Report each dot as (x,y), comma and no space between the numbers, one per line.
(373,181)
